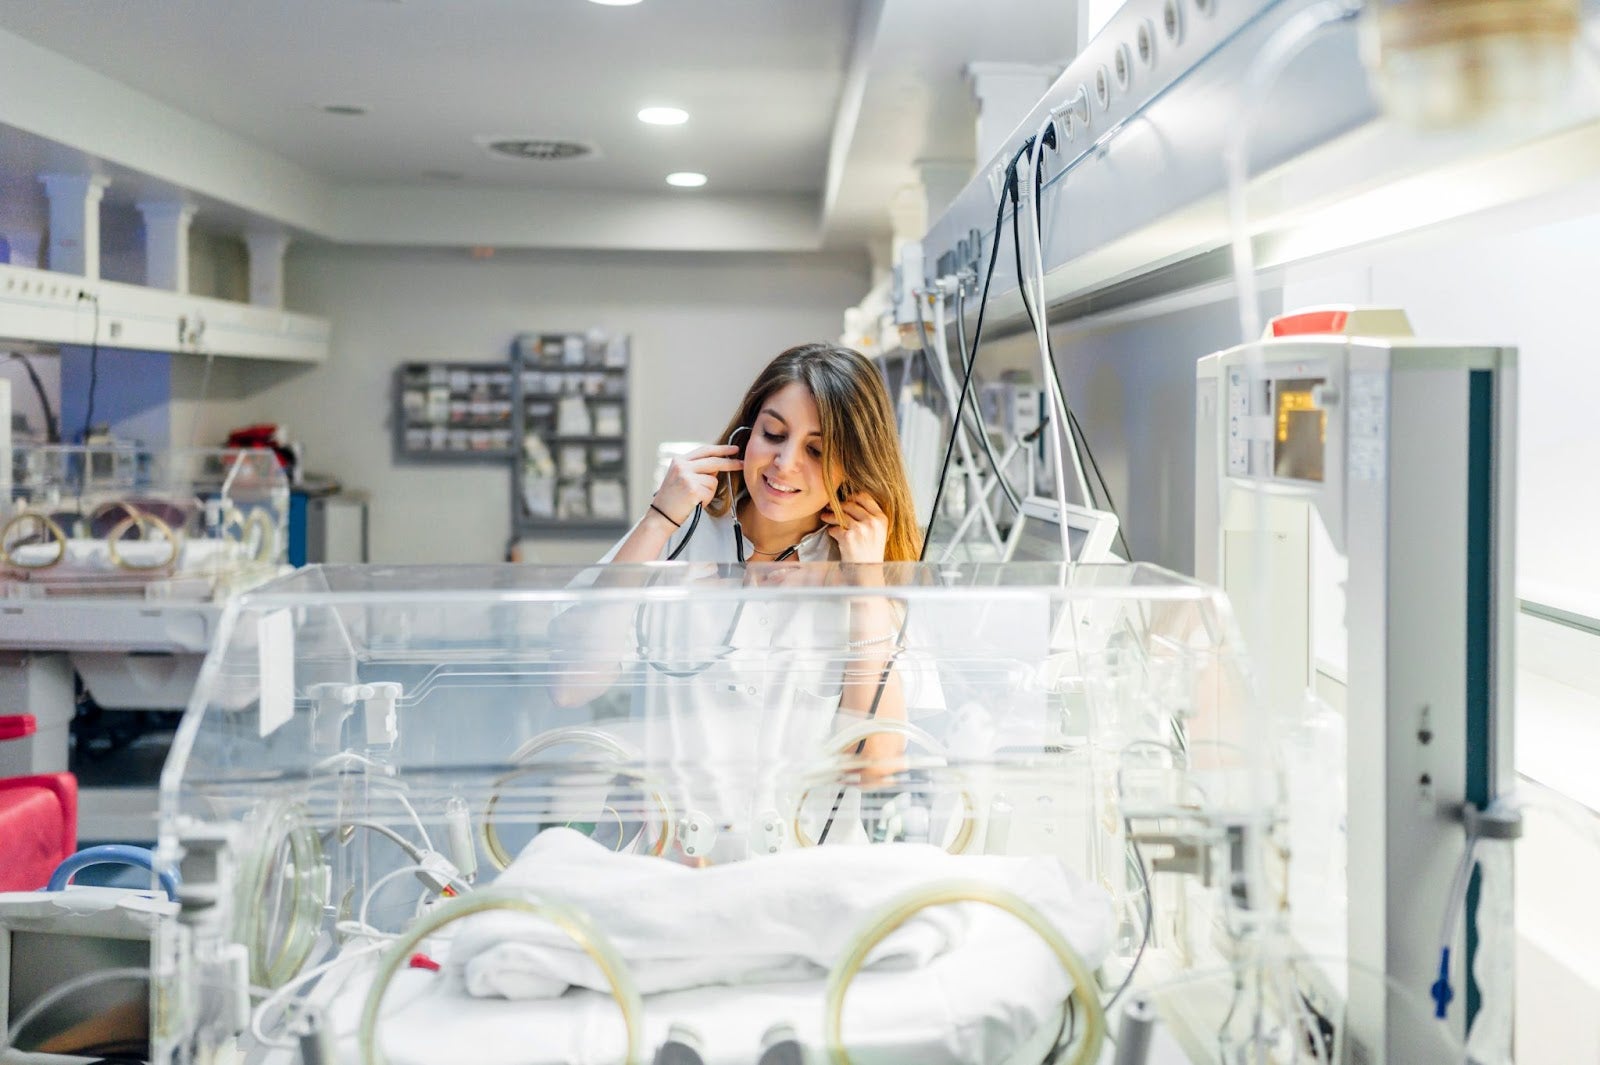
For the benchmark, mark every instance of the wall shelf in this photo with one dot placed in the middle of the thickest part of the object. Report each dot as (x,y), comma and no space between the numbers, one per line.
(571,414)
(45,307)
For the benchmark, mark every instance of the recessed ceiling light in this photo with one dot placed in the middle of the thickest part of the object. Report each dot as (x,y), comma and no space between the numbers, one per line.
(344,109)
(686,179)
(664,116)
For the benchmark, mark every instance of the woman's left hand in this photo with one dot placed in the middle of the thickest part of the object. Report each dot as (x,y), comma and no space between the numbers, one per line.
(867,536)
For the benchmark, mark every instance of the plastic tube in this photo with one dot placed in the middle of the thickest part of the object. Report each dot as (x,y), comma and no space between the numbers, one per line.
(1489,1041)
(569,920)
(1454,901)
(899,910)
(112,854)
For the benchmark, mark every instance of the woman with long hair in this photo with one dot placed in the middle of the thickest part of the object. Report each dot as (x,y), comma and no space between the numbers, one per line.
(809,468)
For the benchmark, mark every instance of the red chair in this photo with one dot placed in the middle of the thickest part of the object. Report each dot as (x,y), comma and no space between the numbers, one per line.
(38,817)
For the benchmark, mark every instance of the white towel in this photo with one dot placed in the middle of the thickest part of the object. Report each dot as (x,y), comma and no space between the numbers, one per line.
(789,916)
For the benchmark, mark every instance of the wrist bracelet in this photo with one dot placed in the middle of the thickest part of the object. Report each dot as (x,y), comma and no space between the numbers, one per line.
(664,514)
(885,638)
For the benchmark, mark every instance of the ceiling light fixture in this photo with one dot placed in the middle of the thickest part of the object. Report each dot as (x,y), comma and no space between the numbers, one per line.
(664,116)
(686,179)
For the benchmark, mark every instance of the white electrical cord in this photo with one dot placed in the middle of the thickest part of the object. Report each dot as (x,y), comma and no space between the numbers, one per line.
(393,874)
(977,497)
(1061,435)
(277,998)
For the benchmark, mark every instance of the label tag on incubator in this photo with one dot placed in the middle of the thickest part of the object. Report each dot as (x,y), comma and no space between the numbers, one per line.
(275,658)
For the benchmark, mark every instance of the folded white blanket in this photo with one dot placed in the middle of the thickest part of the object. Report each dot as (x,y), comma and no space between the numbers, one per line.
(788,916)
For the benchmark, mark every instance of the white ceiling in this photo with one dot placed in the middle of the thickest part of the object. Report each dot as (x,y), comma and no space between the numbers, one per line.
(764,81)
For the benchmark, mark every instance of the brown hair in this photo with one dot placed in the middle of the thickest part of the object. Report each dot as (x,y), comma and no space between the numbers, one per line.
(860,446)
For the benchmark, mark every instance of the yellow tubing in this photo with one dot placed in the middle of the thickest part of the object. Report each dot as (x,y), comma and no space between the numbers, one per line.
(568,919)
(942,892)
(47,524)
(140,520)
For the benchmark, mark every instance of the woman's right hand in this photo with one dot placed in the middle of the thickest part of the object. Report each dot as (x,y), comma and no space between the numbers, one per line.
(691,479)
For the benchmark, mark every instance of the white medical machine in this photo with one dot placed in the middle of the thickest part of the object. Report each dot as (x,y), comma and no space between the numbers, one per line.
(1403,450)
(1036,537)
(595,814)
(114,565)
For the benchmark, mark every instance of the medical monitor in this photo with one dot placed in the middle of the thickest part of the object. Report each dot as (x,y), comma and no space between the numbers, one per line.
(1037,537)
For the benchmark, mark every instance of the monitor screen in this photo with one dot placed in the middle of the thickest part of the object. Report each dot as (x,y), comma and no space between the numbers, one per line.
(1040,541)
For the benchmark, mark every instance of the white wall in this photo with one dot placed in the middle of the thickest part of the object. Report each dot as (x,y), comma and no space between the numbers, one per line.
(702,326)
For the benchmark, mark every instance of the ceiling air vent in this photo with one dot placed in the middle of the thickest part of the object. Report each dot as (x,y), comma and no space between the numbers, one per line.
(535,148)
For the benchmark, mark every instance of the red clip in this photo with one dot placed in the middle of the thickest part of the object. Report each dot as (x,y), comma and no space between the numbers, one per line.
(422,961)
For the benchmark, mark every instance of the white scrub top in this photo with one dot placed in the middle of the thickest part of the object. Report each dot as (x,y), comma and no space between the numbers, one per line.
(737,696)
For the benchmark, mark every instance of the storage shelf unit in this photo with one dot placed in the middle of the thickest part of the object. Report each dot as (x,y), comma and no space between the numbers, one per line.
(570,412)
(454,412)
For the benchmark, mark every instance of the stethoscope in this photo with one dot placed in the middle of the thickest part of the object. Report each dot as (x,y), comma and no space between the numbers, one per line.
(738,530)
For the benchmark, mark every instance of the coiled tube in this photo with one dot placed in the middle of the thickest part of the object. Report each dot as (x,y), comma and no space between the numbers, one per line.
(569,920)
(939,893)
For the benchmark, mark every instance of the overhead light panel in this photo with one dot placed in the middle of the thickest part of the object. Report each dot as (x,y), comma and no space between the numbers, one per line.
(686,179)
(664,116)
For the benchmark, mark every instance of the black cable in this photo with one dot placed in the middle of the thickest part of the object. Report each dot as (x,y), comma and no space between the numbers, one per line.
(1080,441)
(979,432)
(977,338)
(94,364)
(966,367)
(688,534)
(52,430)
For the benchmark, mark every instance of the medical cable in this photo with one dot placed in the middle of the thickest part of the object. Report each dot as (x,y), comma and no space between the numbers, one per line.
(1080,439)
(568,919)
(872,711)
(966,382)
(897,911)
(279,995)
(346,830)
(112,854)
(442,875)
(976,430)
(1054,385)
(966,359)
(1046,137)
(94,364)
(52,429)
(969,468)
(66,990)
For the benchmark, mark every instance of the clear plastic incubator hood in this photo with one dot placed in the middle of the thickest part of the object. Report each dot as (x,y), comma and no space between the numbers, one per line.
(767,813)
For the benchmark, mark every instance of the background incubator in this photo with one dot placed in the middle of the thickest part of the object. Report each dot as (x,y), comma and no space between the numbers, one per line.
(365,743)
(114,565)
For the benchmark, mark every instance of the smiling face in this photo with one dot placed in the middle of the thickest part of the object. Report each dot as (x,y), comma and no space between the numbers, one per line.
(783,459)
